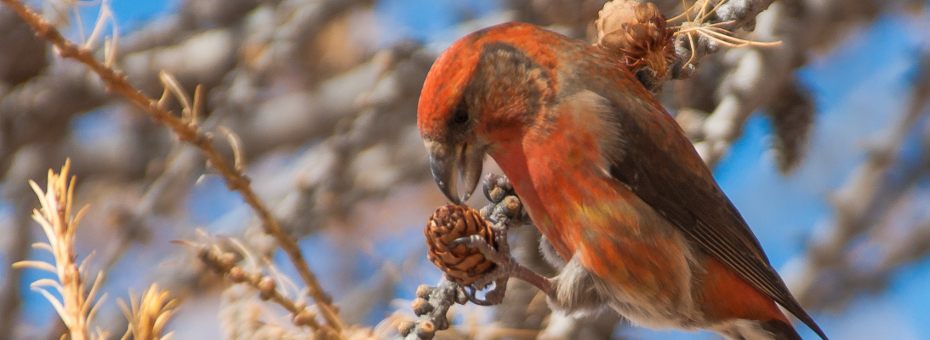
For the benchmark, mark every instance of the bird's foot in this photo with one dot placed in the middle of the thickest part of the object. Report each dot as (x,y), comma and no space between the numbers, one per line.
(504,212)
(507,267)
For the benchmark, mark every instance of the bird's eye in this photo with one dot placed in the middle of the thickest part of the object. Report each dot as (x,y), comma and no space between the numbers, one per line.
(460,116)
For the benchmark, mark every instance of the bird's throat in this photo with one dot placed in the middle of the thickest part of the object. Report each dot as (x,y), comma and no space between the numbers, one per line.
(513,161)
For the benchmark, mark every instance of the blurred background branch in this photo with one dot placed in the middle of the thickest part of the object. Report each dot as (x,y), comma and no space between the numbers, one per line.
(322,95)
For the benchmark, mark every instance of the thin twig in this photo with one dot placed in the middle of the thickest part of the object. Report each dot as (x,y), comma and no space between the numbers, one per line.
(431,306)
(433,303)
(223,263)
(728,16)
(235,180)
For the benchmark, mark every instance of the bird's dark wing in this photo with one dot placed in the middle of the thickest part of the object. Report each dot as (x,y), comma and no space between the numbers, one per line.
(652,156)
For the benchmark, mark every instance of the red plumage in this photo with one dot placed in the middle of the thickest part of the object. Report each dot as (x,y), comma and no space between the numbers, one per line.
(608,178)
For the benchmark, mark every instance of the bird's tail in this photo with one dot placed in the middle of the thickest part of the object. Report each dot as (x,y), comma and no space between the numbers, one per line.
(780,329)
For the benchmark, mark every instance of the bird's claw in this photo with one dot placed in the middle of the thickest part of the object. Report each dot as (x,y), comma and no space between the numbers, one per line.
(505,211)
(492,297)
(502,259)
(507,267)
(477,242)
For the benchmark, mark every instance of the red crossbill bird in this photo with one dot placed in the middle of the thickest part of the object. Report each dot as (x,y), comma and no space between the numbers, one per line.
(632,212)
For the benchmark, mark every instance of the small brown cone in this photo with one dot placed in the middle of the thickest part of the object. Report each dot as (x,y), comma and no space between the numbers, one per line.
(462,264)
(636,33)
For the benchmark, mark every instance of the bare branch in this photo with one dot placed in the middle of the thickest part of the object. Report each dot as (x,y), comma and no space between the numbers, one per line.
(235,180)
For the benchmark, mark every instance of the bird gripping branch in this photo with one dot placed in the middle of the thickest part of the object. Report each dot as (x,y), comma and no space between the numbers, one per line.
(634,218)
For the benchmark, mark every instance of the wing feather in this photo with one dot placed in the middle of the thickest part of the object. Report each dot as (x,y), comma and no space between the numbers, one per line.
(653,157)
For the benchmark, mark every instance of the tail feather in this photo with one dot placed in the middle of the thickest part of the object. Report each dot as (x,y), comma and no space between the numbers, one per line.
(780,330)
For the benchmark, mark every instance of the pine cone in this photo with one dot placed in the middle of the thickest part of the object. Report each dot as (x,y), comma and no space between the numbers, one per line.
(637,34)
(462,264)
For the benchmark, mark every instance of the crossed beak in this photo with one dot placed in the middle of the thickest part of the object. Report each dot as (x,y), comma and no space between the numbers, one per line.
(444,160)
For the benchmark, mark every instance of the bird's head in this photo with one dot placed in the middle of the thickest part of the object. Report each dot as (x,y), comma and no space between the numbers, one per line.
(483,92)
